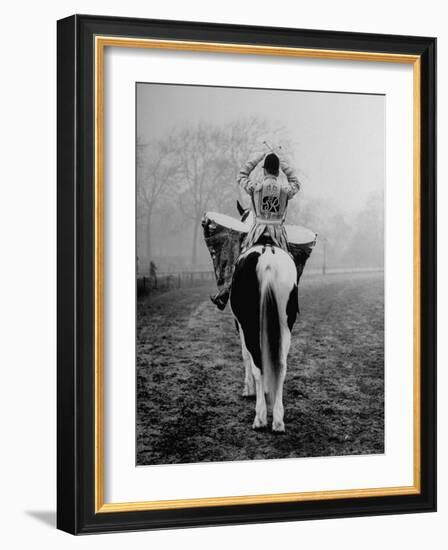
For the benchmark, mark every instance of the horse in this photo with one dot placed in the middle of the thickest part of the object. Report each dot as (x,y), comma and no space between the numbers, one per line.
(264,303)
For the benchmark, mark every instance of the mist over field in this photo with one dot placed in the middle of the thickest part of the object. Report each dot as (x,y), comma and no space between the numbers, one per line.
(192,141)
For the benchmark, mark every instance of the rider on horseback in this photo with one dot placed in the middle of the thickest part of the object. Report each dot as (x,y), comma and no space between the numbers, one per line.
(269,196)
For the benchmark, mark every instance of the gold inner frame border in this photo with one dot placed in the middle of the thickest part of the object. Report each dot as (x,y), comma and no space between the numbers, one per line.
(100,43)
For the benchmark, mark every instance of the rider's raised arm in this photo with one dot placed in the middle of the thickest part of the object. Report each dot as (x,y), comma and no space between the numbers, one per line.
(243,179)
(293,180)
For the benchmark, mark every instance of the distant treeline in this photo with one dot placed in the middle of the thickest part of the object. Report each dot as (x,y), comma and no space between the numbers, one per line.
(193,171)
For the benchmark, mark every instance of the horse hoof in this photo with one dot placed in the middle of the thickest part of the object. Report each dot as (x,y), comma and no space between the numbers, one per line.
(248,393)
(259,424)
(278,427)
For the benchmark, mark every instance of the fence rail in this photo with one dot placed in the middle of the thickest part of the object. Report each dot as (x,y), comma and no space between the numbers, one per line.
(186,279)
(169,281)
(335,270)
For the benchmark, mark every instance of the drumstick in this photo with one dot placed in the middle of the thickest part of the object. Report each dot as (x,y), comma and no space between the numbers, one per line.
(271,148)
(267,145)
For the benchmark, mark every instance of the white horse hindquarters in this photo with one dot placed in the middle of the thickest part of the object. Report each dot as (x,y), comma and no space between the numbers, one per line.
(278,303)
(278,267)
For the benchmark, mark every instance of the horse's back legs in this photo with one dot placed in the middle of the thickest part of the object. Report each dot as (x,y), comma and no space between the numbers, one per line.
(253,385)
(249,381)
(261,413)
(277,407)
(277,410)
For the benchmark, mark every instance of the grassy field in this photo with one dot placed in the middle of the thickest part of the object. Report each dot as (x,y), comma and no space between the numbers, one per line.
(190,377)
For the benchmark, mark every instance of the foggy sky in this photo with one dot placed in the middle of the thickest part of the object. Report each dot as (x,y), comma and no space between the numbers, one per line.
(338,139)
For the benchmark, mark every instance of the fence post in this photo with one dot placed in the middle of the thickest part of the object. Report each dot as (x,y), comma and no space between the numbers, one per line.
(324,261)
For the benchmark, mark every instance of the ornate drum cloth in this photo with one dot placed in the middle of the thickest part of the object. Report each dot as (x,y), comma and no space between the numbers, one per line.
(223,236)
(226,237)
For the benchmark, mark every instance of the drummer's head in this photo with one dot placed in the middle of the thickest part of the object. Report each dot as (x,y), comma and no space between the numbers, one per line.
(271,164)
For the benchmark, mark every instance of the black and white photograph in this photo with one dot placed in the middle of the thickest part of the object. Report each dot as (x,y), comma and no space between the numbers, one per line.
(220,303)
(260,273)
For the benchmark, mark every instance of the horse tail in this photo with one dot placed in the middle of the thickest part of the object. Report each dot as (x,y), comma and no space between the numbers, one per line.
(270,334)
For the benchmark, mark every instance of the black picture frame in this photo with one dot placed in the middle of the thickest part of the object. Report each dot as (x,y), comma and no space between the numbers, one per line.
(76,273)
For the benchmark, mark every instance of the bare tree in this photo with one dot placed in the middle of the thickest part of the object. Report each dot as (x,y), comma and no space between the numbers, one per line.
(366,243)
(156,170)
(197,168)
(201,174)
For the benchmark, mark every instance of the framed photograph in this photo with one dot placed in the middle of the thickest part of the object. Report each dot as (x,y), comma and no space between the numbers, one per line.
(246,274)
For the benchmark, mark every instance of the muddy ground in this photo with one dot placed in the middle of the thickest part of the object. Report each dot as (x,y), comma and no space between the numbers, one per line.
(190,377)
